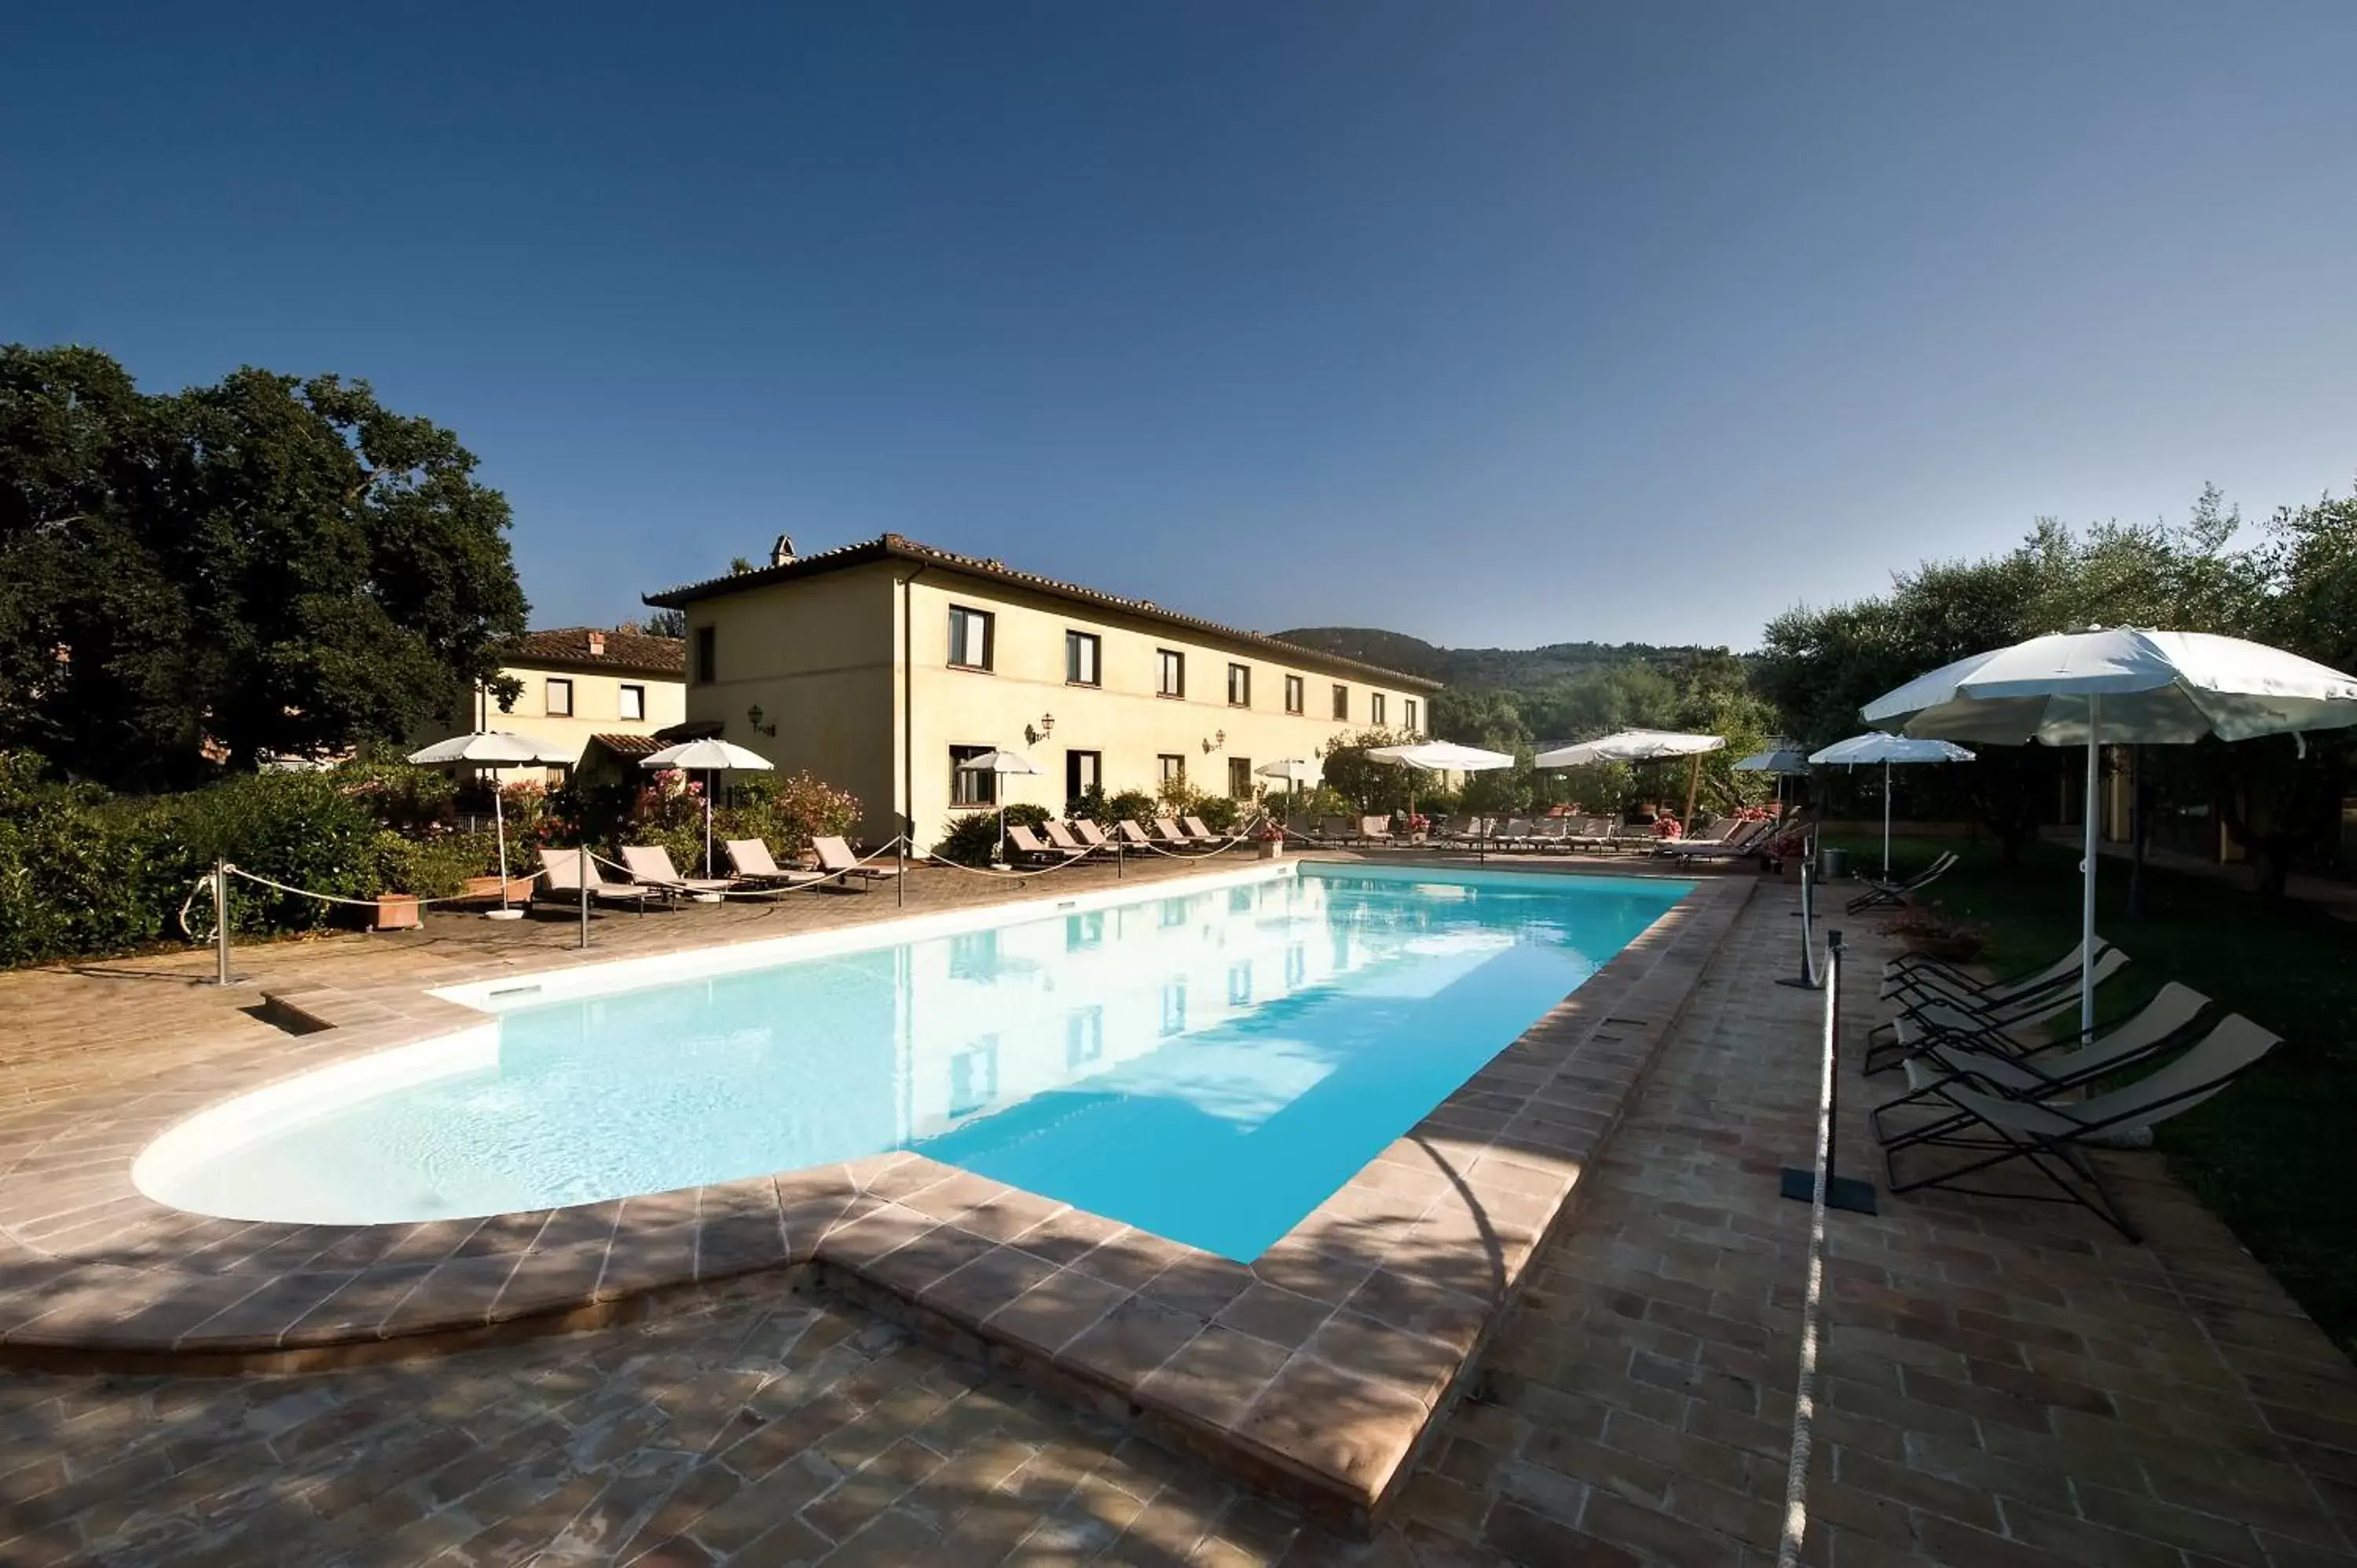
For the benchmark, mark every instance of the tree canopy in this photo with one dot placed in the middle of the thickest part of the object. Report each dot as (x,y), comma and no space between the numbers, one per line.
(265,564)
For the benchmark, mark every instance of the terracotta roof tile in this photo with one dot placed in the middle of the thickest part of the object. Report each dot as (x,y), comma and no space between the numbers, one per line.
(626,651)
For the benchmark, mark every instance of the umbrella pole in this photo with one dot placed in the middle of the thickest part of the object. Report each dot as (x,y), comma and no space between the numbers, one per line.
(1694,782)
(500,821)
(708,780)
(2087,901)
(1886,819)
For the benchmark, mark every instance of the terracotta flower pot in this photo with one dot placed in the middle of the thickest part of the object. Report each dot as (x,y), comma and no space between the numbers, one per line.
(398,911)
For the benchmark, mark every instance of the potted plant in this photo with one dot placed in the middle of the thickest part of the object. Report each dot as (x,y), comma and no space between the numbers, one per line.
(1268,839)
(1924,929)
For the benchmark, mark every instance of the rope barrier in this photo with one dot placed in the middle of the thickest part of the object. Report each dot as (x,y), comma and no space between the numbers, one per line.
(1804,1398)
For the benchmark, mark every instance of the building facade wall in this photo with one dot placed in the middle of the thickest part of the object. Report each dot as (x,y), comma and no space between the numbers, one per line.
(1124,719)
(816,657)
(597,709)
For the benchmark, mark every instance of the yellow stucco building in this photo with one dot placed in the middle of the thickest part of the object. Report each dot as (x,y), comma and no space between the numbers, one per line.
(881,665)
(580,681)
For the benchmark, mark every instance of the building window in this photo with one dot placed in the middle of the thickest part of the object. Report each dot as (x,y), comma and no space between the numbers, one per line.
(1375,709)
(706,663)
(1296,699)
(560,699)
(1239,777)
(1082,650)
(1083,1038)
(1240,685)
(634,701)
(1341,701)
(970,638)
(1173,682)
(1083,771)
(1174,765)
(970,785)
(974,1077)
(1407,705)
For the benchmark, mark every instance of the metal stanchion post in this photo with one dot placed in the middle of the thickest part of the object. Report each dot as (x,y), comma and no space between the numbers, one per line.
(901,872)
(1841,1192)
(585,895)
(221,975)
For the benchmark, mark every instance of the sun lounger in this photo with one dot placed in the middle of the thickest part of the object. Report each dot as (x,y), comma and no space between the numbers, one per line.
(1339,830)
(1131,835)
(2052,1135)
(1061,836)
(1169,834)
(1734,846)
(1375,830)
(1898,890)
(839,864)
(2004,1025)
(1201,834)
(751,861)
(1031,845)
(2158,1025)
(561,878)
(1911,979)
(1093,837)
(650,867)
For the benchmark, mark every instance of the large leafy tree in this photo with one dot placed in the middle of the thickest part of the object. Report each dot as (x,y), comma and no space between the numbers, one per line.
(265,564)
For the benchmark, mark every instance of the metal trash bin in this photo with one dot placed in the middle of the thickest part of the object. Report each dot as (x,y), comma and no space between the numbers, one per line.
(1832,865)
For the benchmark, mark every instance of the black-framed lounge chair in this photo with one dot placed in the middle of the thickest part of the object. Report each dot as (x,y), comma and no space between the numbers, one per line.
(1034,848)
(1199,832)
(1898,890)
(1061,835)
(561,878)
(1131,835)
(650,867)
(1918,977)
(1338,830)
(839,864)
(1086,829)
(2155,1027)
(751,861)
(1734,846)
(2053,1135)
(2002,1025)
(1165,832)
(1591,832)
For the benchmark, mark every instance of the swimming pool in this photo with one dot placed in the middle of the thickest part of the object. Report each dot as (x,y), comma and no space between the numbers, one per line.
(1208,1062)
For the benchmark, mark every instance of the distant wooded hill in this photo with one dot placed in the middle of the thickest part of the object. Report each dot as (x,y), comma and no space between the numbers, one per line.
(1496,669)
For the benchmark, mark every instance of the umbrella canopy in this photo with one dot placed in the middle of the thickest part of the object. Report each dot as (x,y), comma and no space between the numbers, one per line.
(1631,745)
(1292,769)
(708,756)
(490,748)
(1875,746)
(1639,745)
(1442,757)
(1781,760)
(1001,762)
(2124,686)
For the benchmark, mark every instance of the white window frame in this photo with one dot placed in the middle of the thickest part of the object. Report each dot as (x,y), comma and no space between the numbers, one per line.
(632,688)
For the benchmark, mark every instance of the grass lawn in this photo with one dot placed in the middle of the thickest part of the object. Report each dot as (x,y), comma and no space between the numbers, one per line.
(2275,1153)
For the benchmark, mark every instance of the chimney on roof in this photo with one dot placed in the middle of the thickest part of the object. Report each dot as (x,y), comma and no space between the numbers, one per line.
(782,550)
(596,645)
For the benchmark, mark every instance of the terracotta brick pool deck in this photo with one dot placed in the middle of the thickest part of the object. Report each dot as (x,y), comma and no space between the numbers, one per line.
(2005,1382)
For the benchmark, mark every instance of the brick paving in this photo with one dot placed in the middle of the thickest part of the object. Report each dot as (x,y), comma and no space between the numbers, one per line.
(2004,1383)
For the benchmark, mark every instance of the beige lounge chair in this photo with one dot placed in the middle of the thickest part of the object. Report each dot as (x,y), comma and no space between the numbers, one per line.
(650,867)
(1167,832)
(1198,831)
(1028,843)
(1375,830)
(1131,835)
(752,862)
(1089,834)
(1061,836)
(836,861)
(562,879)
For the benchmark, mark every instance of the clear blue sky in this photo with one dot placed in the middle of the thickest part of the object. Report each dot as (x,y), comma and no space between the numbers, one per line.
(1496,323)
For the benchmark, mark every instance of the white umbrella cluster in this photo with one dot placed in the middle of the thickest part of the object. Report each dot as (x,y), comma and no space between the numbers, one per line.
(1877,747)
(1641,746)
(1439,757)
(2121,686)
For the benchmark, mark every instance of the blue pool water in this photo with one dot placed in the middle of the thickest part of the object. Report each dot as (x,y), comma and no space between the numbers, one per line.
(1210,1066)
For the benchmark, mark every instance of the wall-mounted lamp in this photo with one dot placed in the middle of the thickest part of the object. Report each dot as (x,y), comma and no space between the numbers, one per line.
(1047,726)
(753,717)
(1217,741)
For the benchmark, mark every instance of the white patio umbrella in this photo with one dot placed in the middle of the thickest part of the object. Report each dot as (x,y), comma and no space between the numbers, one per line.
(1295,770)
(1001,763)
(2124,686)
(492,748)
(1639,745)
(1877,747)
(1439,757)
(707,757)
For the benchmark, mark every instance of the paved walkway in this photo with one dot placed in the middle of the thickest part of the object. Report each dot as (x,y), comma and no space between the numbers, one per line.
(2005,1384)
